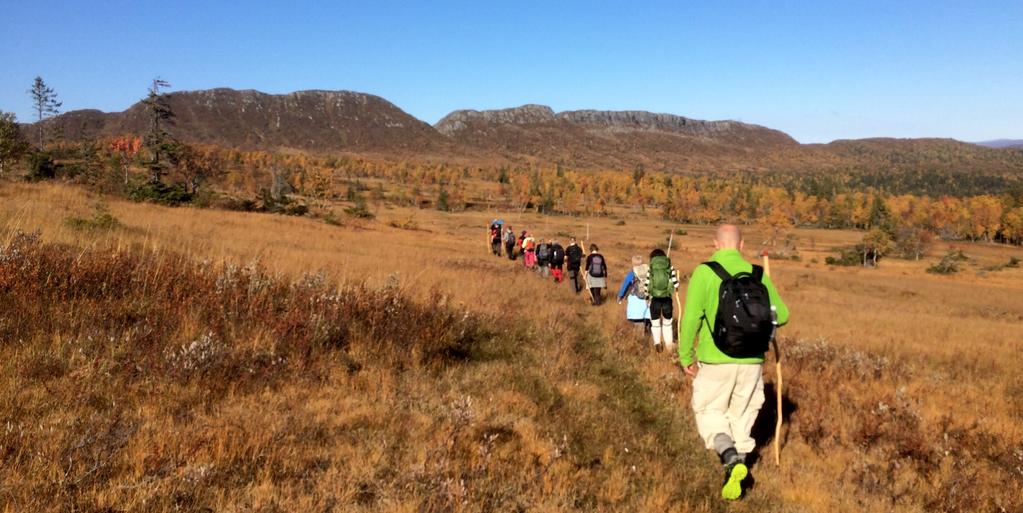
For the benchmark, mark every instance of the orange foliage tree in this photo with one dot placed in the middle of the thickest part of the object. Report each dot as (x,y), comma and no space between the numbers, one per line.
(126,149)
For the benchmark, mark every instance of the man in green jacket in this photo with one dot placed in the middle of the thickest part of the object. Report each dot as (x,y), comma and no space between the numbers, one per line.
(727,392)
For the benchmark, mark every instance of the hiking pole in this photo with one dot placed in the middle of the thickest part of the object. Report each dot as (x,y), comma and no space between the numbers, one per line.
(678,314)
(777,370)
(586,284)
(586,273)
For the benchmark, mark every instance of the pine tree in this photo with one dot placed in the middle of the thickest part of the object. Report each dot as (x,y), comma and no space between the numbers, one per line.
(157,140)
(880,217)
(44,102)
(442,200)
(12,144)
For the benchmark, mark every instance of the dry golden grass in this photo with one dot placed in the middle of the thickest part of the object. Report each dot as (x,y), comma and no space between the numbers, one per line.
(903,395)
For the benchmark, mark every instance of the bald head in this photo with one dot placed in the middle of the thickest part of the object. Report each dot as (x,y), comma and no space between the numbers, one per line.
(728,236)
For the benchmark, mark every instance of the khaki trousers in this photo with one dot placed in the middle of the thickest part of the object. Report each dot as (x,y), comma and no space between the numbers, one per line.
(726,399)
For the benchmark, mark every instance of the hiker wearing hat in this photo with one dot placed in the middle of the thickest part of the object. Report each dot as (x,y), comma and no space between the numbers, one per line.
(495,238)
(732,306)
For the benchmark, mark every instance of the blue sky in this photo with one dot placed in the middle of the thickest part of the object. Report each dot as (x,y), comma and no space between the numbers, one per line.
(815,70)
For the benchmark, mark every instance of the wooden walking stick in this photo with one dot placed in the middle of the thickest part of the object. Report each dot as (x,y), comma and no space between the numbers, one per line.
(777,370)
(582,269)
(678,312)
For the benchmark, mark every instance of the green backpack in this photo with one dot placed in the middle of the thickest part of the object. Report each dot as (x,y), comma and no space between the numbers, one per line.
(660,277)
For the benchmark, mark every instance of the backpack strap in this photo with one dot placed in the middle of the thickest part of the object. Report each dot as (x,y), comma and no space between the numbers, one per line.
(719,270)
(758,273)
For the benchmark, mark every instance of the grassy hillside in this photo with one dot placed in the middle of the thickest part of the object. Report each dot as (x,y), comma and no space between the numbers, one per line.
(166,359)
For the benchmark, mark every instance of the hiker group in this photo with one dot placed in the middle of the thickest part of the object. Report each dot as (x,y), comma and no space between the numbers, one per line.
(550,259)
(728,320)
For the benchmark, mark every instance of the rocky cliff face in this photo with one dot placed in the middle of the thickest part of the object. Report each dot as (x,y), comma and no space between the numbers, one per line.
(592,138)
(641,120)
(320,121)
(460,120)
(461,124)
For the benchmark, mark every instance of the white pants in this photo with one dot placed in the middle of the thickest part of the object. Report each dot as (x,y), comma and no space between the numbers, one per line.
(726,399)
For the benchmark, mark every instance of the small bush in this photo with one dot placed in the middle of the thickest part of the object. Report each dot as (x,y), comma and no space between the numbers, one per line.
(620,222)
(785,255)
(360,212)
(442,201)
(101,219)
(294,209)
(353,193)
(204,199)
(680,231)
(237,204)
(332,219)
(949,264)
(279,204)
(404,224)
(160,193)
(1011,264)
(41,167)
(847,257)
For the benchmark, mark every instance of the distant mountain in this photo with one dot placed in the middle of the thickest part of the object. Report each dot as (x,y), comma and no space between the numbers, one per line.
(591,138)
(1002,143)
(316,121)
(344,121)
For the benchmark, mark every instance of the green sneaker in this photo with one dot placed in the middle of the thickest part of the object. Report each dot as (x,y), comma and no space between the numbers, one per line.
(732,489)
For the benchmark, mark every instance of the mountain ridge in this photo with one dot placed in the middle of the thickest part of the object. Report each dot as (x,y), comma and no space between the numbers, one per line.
(1001,143)
(247,119)
(326,121)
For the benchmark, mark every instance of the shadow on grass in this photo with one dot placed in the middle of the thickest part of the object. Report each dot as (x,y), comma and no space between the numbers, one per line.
(763,428)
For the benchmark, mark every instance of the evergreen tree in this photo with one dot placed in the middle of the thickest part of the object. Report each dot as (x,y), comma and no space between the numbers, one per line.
(880,217)
(12,144)
(157,140)
(44,102)
(442,200)
(638,173)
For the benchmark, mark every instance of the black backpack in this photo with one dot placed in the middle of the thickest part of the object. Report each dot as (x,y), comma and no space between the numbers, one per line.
(557,254)
(744,323)
(575,255)
(597,267)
